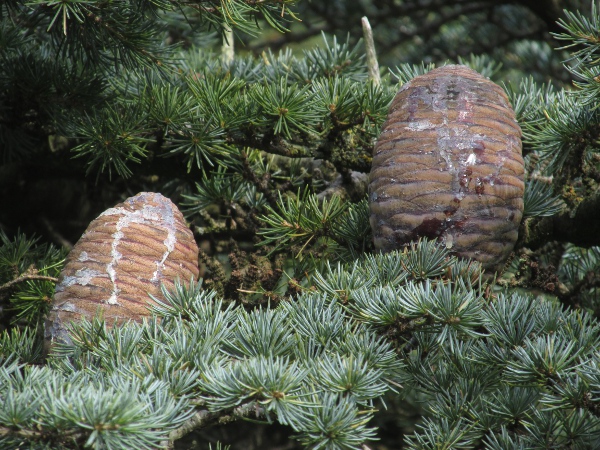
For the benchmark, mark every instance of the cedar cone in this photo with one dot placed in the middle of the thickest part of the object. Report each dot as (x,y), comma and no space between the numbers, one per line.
(448,166)
(125,254)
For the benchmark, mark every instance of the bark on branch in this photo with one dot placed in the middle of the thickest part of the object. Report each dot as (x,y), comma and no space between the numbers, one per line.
(204,418)
(28,276)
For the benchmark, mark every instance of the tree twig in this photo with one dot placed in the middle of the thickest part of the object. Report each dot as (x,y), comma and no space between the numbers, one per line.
(27,276)
(204,418)
(227,49)
(372,63)
(40,434)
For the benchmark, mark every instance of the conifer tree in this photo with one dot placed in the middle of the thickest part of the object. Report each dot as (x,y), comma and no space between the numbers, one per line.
(297,320)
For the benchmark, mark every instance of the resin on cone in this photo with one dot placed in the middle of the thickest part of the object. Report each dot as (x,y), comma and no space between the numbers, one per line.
(124,255)
(448,166)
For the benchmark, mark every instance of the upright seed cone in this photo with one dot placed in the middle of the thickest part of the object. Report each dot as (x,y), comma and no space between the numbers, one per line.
(448,166)
(124,255)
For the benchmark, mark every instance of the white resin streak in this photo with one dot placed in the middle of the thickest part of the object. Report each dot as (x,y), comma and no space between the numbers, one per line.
(420,125)
(170,240)
(149,213)
(115,258)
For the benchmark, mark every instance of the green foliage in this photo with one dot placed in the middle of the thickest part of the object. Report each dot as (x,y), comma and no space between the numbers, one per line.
(307,326)
(285,107)
(305,220)
(562,132)
(581,35)
(24,344)
(492,368)
(110,141)
(338,424)
(483,64)
(208,115)
(577,270)
(50,78)
(237,357)
(221,187)
(560,126)
(538,200)
(28,272)
(406,72)
(108,412)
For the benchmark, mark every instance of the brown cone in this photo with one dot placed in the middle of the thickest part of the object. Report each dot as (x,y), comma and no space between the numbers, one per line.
(124,255)
(448,166)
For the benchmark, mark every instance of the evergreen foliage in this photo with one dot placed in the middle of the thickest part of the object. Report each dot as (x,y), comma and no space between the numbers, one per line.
(488,366)
(28,274)
(297,320)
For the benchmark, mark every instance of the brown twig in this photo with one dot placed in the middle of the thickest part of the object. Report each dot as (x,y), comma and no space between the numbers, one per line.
(200,419)
(39,435)
(27,276)
(204,418)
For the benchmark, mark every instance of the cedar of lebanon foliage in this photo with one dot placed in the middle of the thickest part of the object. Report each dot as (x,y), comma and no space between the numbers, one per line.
(297,321)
